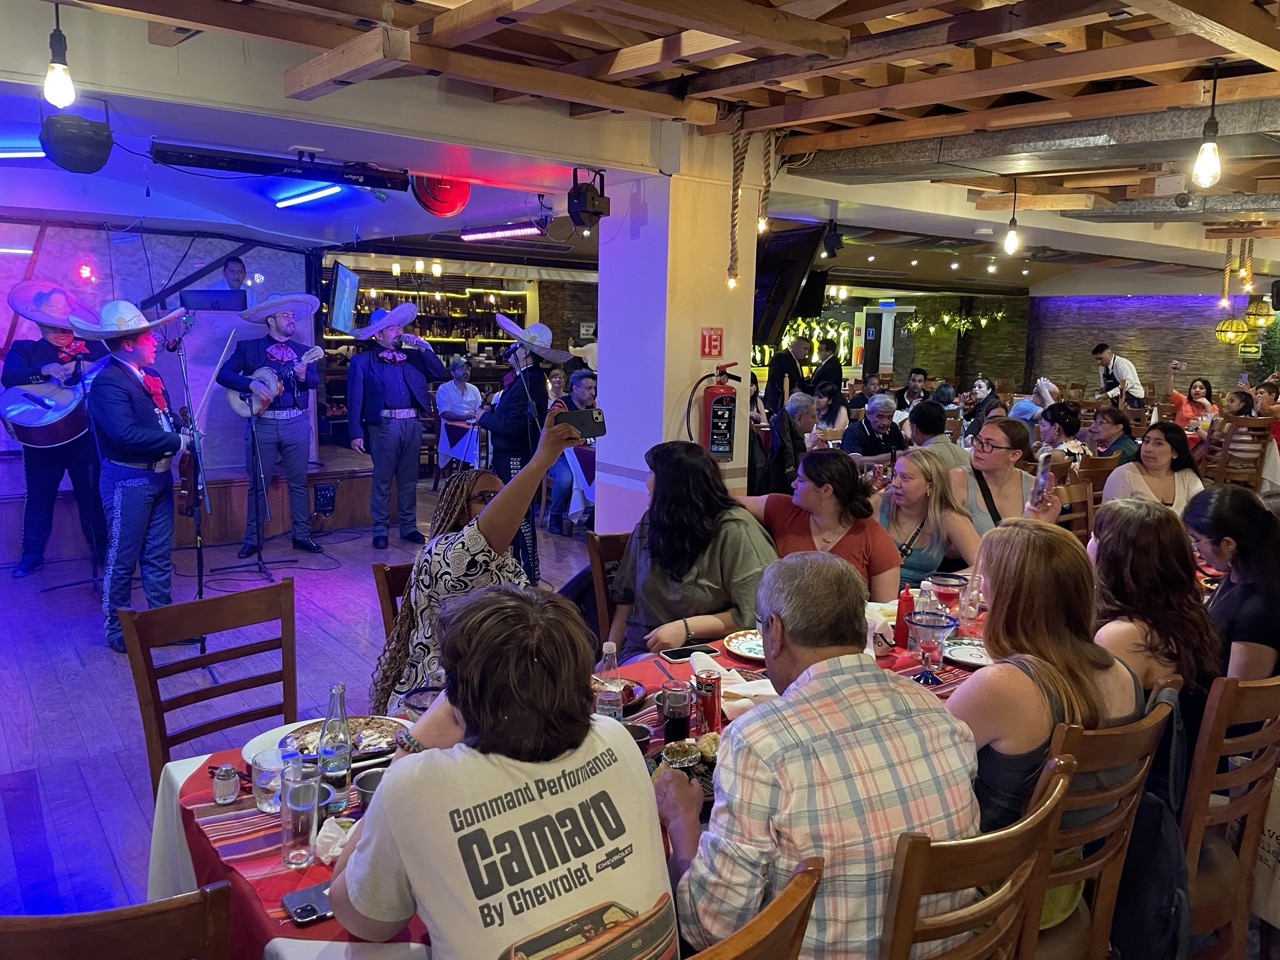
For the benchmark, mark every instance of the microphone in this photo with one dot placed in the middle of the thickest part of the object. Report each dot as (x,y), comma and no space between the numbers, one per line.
(172,345)
(510,351)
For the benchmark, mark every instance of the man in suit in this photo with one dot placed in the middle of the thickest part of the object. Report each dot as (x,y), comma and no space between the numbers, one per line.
(59,356)
(139,436)
(829,369)
(284,427)
(387,394)
(786,363)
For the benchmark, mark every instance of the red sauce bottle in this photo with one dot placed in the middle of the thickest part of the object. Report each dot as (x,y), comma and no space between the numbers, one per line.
(905,605)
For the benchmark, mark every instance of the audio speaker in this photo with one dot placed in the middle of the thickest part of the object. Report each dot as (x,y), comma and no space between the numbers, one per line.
(76,144)
(1275,294)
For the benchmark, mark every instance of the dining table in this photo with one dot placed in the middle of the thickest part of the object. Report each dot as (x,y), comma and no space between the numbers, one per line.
(196,841)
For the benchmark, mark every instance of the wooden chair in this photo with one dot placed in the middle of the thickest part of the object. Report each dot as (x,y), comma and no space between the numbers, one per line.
(858,414)
(1078,519)
(955,429)
(428,453)
(192,926)
(1073,391)
(1014,860)
(1094,471)
(1222,837)
(777,931)
(147,629)
(605,553)
(1089,411)
(1165,411)
(391,580)
(1139,418)
(1112,764)
(1236,450)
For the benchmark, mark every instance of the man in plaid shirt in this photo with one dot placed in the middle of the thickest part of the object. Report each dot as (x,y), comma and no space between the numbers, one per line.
(848,758)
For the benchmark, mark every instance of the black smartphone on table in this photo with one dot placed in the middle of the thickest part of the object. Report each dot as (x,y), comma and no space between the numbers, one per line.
(308,905)
(681,654)
(590,422)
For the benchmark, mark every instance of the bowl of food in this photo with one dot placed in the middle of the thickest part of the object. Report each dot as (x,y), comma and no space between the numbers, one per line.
(366,783)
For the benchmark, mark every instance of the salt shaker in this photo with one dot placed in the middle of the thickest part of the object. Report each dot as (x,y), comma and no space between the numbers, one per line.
(226,784)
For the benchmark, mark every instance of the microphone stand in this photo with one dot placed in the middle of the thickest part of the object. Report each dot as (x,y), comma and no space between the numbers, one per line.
(94,577)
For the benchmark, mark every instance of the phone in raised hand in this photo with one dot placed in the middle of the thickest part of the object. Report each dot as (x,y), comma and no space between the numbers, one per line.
(1044,471)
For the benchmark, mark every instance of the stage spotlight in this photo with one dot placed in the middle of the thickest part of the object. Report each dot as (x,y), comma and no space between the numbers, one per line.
(587,202)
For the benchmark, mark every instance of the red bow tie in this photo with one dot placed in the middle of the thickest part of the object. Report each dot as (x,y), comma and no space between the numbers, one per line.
(72,350)
(392,356)
(281,353)
(155,386)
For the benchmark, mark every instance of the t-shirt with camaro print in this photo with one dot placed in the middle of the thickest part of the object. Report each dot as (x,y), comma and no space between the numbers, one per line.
(507,860)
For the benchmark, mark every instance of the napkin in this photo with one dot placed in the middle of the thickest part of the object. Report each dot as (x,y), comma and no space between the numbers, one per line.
(737,695)
(330,841)
(879,633)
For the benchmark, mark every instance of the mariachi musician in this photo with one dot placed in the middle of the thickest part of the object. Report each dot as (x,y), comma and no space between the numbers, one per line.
(283,426)
(139,435)
(62,358)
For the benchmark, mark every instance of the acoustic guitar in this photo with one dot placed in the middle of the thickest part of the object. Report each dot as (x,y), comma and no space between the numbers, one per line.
(48,414)
(254,405)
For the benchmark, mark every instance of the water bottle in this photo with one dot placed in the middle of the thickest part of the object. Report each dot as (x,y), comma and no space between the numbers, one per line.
(609,697)
(334,750)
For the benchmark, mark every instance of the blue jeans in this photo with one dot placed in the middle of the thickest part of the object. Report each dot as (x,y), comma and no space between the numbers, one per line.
(561,489)
(139,508)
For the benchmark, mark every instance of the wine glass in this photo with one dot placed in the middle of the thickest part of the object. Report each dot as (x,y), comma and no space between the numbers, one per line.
(947,588)
(973,608)
(929,630)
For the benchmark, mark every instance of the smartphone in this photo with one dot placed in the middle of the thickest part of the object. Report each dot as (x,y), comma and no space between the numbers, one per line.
(590,422)
(1043,473)
(681,654)
(308,905)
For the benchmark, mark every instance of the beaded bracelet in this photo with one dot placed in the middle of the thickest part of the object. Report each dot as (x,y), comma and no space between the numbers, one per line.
(407,742)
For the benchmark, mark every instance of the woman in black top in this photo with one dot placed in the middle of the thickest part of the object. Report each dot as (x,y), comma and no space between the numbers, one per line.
(1233,531)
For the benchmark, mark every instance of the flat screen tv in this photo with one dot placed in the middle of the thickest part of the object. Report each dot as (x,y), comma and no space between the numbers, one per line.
(342,308)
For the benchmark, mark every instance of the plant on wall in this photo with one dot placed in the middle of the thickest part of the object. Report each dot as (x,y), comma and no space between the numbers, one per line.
(931,318)
(1270,361)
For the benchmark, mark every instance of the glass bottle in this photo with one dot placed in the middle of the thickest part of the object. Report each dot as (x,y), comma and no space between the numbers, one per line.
(609,696)
(334,750)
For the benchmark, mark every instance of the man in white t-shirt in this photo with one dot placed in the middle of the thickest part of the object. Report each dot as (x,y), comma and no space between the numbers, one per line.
(458,399)
(537,830)
(233,277)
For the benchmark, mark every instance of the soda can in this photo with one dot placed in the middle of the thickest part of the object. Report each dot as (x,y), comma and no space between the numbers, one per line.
(707,684)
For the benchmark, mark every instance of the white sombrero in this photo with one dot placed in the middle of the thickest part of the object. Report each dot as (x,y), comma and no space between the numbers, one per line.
(119,318)
(49,305)
(536,336)
(303,306)
(380,319)
(588,353)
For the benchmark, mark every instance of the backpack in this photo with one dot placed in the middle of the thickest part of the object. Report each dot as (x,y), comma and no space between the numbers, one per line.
(1152,919)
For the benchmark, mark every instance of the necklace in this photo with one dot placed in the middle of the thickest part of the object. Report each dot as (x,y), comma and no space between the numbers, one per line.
(825,541)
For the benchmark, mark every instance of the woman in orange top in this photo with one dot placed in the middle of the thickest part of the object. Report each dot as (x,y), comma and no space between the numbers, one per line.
(831,511)
(1195,403)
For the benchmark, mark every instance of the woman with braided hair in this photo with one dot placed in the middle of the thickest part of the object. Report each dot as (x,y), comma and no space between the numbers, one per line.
(475,521)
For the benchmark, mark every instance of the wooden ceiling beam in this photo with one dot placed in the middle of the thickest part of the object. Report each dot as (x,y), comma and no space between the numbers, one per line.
(854,12)
(375,11)
(583,31)
(914,42)
(369,55)
(1128,178)
(770,29)
(1044,201)
(1069,68)
(476,19)
(1258,231)
(1026,186)
(1240,27)
(689,46)
(1089,107)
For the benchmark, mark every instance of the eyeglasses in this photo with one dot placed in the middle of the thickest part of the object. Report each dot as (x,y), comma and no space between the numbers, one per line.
(1195,544)
(986,446)
(483,497)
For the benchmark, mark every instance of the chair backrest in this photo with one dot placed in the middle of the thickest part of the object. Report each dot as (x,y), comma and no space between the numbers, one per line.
(1236,450)
(831,434)
(777,931)
(955,428)
(1246,782)
(1165,411)
(1015,861)
(1107,463)
(857,414)
(605,552)
(1089,410)
(1079,519)
(1139,417)
(391,580)
(1097,814)
(1073,391)
(147,629)
(192,926)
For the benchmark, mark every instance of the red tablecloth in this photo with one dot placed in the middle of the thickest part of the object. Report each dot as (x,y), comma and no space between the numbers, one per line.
(242,845)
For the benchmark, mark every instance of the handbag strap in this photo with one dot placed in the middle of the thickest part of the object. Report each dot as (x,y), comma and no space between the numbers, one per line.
(987,497)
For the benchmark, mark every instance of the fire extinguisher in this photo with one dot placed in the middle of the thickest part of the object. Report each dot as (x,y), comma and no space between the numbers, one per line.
(719,412)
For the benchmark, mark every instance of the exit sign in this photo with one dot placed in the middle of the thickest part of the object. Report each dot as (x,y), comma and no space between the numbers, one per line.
(1250,351)
(712,343)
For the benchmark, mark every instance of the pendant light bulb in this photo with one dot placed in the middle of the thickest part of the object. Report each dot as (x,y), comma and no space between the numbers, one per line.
(58,88)
(1208,166)
(1011,241)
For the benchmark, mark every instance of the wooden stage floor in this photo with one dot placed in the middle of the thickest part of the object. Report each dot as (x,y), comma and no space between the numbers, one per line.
(75,795)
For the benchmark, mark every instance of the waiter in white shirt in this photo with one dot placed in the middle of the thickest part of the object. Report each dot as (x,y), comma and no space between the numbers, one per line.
(233,274)
(1118,379)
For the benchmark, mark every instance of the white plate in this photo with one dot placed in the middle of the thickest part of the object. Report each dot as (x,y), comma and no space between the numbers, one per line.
(272,738)
(746,644)
(967,653)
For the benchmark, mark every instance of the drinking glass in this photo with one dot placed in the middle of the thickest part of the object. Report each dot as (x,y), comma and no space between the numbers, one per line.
(267,767)
(947,588)
(929,630)
(677,703)
(973,608)
(299,813)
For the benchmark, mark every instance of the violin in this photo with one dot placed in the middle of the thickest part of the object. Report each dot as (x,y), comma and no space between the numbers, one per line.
(188,495)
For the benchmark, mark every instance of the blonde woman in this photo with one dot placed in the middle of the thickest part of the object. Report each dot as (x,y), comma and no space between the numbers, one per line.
(923,516)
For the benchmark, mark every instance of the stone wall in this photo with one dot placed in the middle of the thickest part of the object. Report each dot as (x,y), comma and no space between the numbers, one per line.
(998,351)
(1148,330)
(562,306)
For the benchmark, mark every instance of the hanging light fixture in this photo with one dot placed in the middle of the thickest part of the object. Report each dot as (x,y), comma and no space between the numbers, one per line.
(58,88)
(1208,165)
(437,268)
(1011,242)
(1231,330)
(1259,314)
